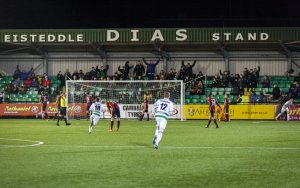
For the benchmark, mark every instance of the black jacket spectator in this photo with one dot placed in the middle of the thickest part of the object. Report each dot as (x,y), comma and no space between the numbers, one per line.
(188,68)
(93,73)
(276,92)
(61,78)
(139,71)
(181,74)
(127,68)
(81,74)
(121,73)
(171,75)
(256,71)
(200,76)
(225,77)
(75,75)
(67,75)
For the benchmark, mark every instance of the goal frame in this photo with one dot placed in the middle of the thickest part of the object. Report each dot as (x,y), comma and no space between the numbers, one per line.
(182,88)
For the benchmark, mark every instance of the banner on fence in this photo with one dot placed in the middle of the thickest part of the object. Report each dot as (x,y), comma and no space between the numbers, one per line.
(235,111)
(77,109)
(294,112)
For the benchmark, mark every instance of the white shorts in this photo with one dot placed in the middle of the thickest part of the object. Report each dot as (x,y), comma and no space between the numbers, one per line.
(284,110)
(95,119)
(161,124)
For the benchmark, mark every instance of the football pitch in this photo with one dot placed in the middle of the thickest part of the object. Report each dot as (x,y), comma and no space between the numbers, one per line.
(37,153)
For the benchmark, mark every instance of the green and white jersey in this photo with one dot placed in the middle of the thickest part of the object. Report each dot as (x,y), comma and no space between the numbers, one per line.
(163,108)
(287,104)
(97,108)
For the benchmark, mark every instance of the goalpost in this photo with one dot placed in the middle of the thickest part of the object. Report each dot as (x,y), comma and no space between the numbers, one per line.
(128,94)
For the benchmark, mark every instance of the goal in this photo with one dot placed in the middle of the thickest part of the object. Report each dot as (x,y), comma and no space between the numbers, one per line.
(128,94)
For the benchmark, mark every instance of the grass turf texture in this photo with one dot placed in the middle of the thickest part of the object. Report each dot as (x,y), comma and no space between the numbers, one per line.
(238,154)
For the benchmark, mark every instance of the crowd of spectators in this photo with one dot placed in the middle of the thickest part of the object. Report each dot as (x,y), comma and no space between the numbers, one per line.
(23,80)
(130,72)
(248,79)
(196,84)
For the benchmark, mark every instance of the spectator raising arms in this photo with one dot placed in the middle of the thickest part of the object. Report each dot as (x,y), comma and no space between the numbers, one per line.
(23,75)
(151,66)
(188,68)
(103,72)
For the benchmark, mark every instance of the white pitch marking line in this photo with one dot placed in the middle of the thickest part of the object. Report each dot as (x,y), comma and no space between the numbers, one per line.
(37,143)
(179,147)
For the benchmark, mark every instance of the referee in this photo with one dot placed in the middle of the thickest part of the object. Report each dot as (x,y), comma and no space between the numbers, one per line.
(63,110)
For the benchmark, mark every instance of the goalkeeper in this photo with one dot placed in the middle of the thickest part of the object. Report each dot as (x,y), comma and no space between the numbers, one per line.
(114,110)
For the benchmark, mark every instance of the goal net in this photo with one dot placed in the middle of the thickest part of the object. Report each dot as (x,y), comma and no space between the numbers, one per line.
(128,94)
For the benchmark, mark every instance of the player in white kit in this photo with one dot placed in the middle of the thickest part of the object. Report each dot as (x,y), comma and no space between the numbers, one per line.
(162,108)
(285,108)
(95,110)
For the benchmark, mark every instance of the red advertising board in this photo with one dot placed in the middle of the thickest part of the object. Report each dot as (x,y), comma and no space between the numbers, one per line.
(78,109)
(294,112)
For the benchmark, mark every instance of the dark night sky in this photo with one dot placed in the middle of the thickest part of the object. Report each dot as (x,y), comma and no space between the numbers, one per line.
(112,13)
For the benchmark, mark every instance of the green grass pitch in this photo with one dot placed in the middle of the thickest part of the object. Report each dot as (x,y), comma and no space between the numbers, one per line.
(238,154)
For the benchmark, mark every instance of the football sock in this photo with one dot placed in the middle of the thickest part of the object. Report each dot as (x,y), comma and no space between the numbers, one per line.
(65,120)
(215,121)
(111,125)
(147,117)
(143,116)
(118,124)
(156,132)
(227,117)
(91,126)
(159,136)
(209,121)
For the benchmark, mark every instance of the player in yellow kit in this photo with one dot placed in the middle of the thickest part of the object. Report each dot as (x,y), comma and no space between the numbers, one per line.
(63,110)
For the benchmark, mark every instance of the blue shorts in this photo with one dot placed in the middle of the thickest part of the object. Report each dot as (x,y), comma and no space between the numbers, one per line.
(212,113)
(63,111)
(44,107)
(226,110)
(116,113)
